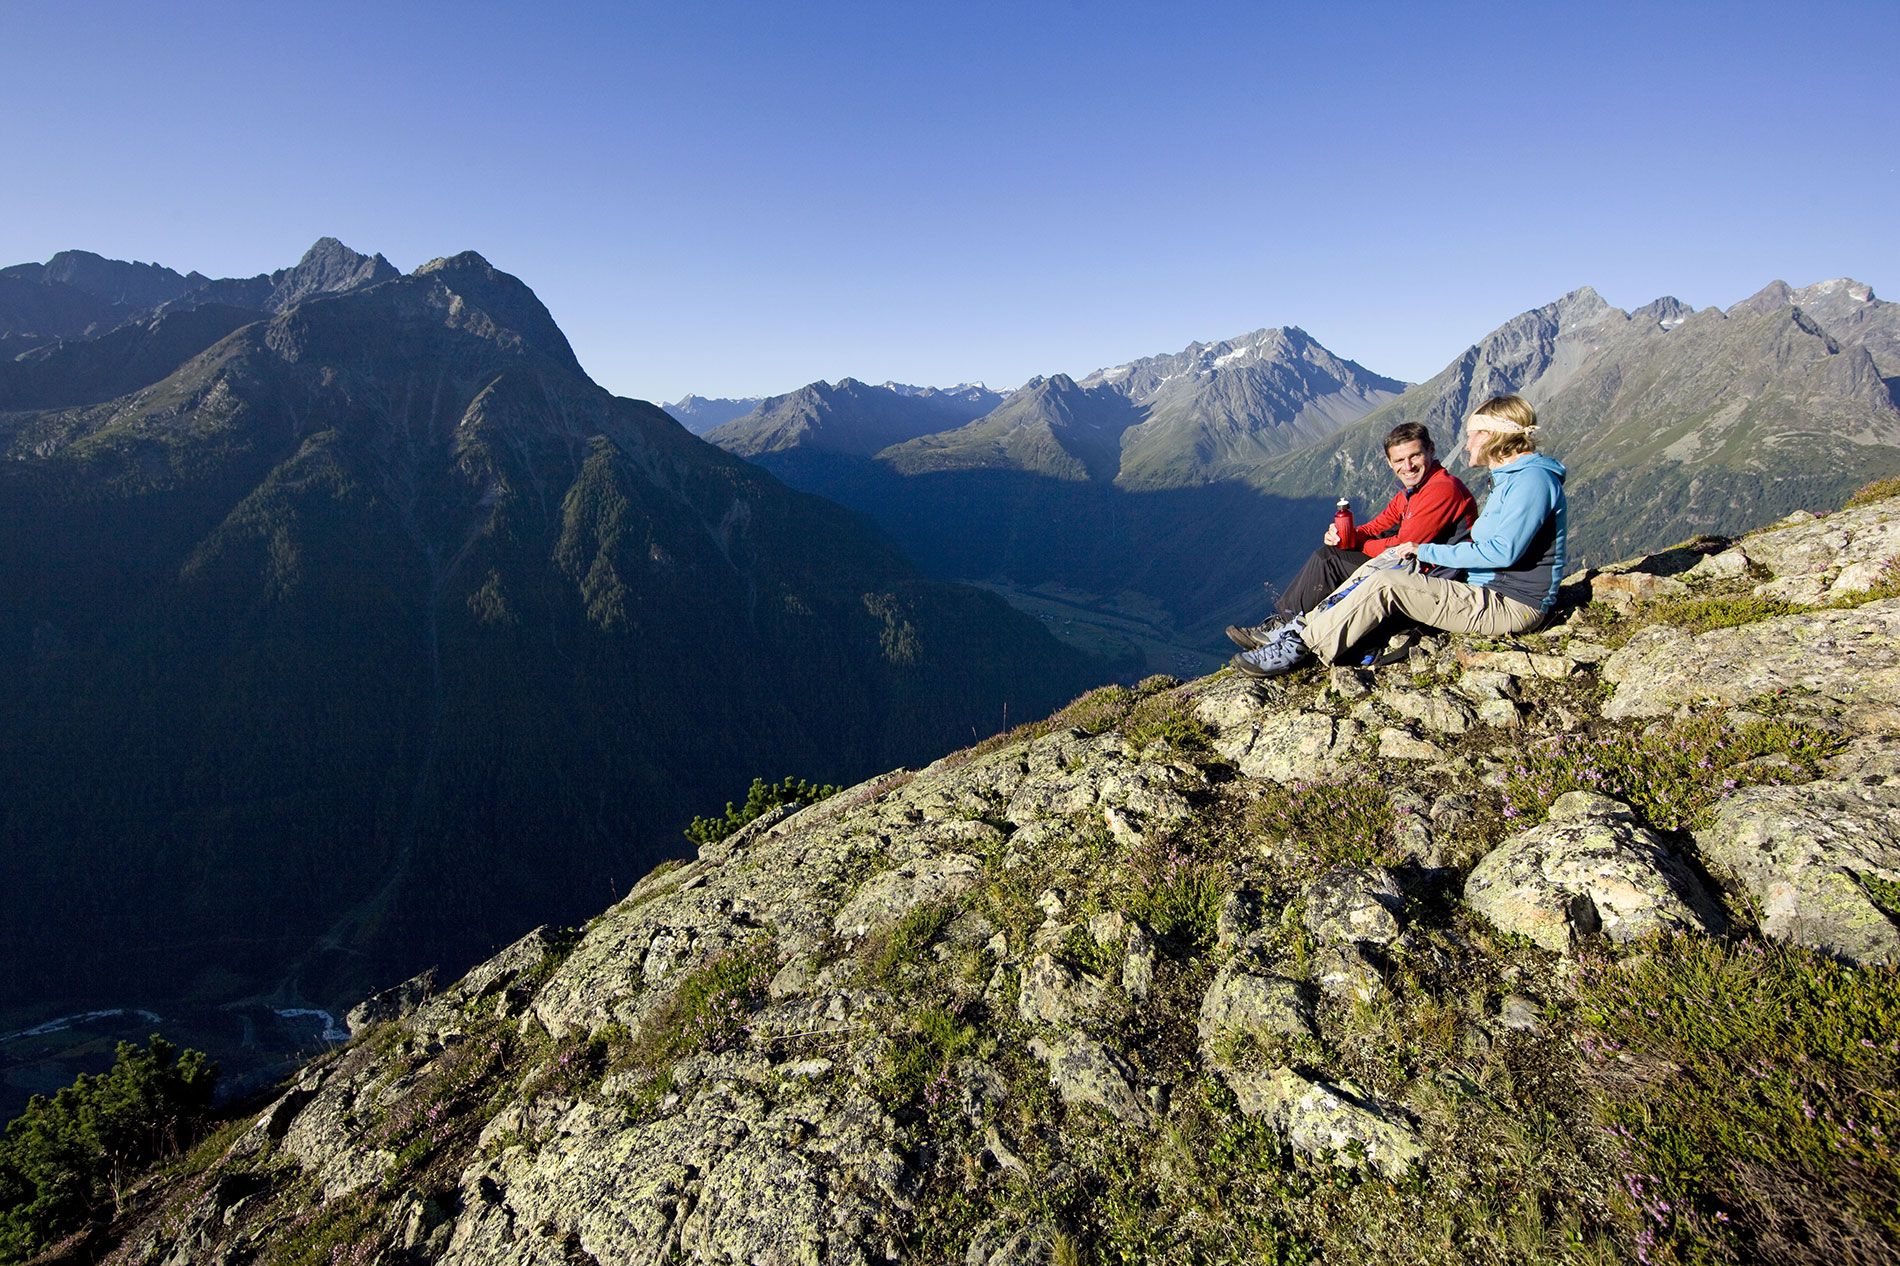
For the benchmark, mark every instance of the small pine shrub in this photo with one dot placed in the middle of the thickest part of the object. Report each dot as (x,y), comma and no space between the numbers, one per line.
(762,798)
(63,1157)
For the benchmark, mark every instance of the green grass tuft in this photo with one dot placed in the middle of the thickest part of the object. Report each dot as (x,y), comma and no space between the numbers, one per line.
(1724,611)
(1174,893)
(888,954)
(708,1010)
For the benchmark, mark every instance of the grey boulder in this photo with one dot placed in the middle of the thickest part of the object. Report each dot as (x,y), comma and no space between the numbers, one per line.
(1591,868)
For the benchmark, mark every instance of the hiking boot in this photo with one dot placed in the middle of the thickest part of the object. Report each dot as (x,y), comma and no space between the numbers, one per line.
(1253,636)
(1284,653)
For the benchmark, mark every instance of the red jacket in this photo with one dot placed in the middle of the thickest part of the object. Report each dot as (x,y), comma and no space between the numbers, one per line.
(1439,506)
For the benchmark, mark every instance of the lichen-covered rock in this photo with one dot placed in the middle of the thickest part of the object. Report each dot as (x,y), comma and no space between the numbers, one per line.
(1338,1118)
(1138,967)
(884,898)
(1848,658)
(1412,827)
(1437,710)
(1243,1002)
(390,1004)
(1053,993)
(1239,918)
(1087,1074)
(1822,559)
(1483,685)
(1353,904)
(1625,589)
(1520,664)
(1396,744)
(1730,564)
(1344,969)
(1801,855)
(1280,746)
(1589,869)
(1500,714)
(1003,1246)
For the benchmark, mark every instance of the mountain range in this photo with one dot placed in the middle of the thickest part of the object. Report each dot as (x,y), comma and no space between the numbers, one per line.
(700,414)
(1186,479)
(1671,421)
(350,627)
(849,417)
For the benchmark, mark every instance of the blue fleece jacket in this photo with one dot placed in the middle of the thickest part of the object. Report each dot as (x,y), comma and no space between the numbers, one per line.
(1517,545)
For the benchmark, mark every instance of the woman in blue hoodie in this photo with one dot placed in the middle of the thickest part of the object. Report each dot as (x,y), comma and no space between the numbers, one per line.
(1513,561)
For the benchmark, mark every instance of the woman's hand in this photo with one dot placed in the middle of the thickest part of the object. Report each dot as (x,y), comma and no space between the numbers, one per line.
(1404,549)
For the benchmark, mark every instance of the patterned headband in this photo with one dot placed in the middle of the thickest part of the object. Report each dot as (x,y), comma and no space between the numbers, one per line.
(1497,425)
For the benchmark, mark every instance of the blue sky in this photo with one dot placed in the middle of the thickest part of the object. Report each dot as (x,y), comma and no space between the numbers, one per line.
(735,199)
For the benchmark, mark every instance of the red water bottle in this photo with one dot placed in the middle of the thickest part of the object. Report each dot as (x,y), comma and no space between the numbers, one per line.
(1342,523)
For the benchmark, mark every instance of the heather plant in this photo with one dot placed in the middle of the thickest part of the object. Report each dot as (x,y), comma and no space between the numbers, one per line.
(1748,1088)
(1171,720)
(709,1009)
(1718,611)
(445,1106)
(915,1070)
(1174,892)
(889,953)
(1667,774)
(1330,822)
(1878,490)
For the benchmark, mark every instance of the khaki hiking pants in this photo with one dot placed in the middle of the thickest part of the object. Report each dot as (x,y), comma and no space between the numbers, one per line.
(1384,590)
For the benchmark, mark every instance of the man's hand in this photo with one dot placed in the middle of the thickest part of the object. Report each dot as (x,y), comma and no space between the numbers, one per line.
(1332,534)
(1404,549)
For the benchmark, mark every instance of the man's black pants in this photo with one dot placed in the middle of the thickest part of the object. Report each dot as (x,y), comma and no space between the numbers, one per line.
(1324,572)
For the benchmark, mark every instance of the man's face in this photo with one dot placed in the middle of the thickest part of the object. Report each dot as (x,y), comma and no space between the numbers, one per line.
(1409,461)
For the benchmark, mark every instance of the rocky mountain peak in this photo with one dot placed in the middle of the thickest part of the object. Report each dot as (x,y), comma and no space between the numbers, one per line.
(1776,294)
(330,267)
(463,262)
(1584,306)
(1666,312)
(503,298)
(1838,289)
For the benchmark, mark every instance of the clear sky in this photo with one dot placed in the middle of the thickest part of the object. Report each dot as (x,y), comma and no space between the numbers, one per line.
(735,199)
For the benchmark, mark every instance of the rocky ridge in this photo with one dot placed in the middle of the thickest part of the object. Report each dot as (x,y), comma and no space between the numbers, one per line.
(1197,971)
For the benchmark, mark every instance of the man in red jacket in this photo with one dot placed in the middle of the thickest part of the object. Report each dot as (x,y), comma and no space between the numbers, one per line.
(1432,505)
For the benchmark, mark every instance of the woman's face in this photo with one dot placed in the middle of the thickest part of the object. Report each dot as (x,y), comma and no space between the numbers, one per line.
(1474,444)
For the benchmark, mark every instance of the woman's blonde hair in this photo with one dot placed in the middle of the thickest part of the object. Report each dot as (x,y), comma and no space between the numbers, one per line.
(1502,445)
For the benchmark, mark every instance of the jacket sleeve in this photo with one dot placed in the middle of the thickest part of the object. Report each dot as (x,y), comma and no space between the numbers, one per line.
(1378,525)
(1518,507)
